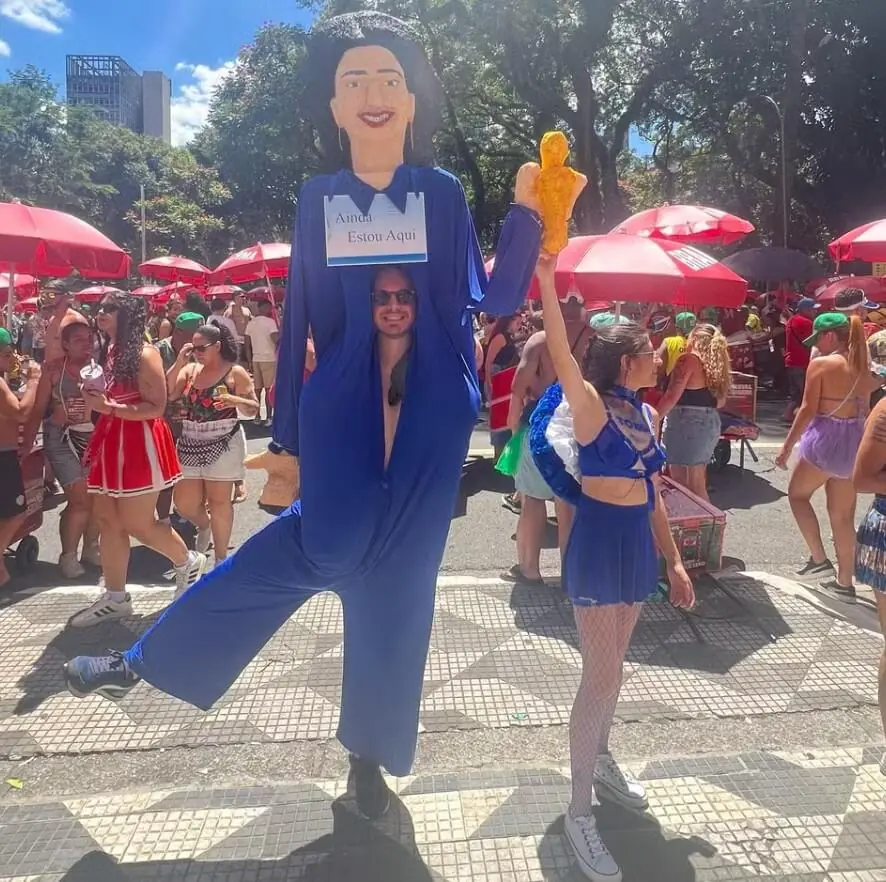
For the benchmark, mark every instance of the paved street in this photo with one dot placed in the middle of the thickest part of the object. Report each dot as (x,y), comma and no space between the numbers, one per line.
(753,724)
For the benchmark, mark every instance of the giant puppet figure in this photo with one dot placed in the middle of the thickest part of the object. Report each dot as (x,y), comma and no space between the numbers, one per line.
(371,523)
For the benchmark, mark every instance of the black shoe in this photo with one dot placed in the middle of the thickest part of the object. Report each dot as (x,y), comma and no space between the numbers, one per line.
(812,568)
(368,785)
(834,589)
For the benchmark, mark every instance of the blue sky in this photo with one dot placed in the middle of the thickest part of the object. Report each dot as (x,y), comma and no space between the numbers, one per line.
(192,41)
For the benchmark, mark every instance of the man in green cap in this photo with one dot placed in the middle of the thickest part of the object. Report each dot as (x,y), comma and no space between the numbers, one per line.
(14,412)
(674,346)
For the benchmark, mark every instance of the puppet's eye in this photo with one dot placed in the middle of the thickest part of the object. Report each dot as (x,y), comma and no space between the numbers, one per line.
(393,84)
(353,84)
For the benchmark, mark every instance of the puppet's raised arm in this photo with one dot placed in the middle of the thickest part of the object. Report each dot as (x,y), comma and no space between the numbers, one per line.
(518,245)
(291,354)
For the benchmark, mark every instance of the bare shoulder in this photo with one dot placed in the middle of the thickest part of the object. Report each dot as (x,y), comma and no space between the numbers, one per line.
(151,357)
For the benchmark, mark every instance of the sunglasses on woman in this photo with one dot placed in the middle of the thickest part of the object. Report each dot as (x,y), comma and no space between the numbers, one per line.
(203,347)
(107,308)
(404,297)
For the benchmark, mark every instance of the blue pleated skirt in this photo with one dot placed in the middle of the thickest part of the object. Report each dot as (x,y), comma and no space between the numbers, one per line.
(870,548)
(611,555)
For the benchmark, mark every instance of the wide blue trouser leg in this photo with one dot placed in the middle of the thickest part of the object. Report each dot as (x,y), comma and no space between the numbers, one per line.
(388,616)
(206,638)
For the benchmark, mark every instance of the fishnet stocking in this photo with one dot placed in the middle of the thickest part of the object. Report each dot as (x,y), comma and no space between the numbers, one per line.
(604,634)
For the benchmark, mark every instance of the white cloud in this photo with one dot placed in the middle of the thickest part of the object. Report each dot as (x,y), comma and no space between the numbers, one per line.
(41,15)
(5,51)
(190,106)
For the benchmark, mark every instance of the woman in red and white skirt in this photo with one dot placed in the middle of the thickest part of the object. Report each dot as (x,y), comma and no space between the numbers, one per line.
(131,458)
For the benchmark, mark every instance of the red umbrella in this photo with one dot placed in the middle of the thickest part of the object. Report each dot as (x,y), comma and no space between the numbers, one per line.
(636,270)
(269,260)
(96,293)
(263,293)
(23,284)
(687,223)
(223,292)
(146,291)
(174,269)
(872,286)
(867,242)
(51,243)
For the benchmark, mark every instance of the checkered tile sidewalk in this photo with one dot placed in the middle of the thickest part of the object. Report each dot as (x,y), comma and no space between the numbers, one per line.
(501,656)
(804,817)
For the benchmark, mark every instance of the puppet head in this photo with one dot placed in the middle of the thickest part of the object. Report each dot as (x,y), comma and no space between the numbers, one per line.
(372,90)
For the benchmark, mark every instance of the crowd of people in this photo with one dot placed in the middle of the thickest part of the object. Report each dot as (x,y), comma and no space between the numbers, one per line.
(128,419)
(140,418)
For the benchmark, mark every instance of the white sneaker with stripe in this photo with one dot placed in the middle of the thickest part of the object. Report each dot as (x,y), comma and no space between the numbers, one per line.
(105,609)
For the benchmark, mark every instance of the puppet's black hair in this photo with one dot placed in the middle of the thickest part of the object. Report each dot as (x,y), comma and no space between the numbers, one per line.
(330,40)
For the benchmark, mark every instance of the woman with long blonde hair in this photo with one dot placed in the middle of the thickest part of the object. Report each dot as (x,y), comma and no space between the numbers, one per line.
(699,386)
(827,432)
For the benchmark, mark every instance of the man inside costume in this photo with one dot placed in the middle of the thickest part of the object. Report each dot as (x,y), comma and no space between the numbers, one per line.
(372,519)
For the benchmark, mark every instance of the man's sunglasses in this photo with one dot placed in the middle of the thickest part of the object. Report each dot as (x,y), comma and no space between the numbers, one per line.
(404,297)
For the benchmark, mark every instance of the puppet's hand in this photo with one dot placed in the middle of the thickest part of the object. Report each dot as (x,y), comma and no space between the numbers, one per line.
(526,187)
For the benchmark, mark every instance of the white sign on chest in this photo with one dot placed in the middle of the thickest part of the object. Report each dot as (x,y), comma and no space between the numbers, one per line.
(383,235)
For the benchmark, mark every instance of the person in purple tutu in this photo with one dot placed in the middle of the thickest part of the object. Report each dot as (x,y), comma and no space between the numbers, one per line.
(827,432)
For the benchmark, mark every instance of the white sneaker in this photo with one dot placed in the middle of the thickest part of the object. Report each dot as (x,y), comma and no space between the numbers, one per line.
(70,566)
(105,609)
(594,859)
(187,574)
(204,539)
(613,784)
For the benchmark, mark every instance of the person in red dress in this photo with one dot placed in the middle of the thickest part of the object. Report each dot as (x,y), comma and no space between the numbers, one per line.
(131,458)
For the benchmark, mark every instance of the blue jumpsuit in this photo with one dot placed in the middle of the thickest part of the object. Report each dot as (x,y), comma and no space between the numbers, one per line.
(375,535)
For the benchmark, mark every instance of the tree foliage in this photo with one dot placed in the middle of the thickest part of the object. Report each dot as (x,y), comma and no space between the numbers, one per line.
(693,77)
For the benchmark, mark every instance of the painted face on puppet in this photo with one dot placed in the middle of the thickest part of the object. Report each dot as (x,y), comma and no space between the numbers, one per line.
(372,103)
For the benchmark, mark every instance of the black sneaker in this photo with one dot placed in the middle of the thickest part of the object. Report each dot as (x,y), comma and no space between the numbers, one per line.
(106,675)
(834,589)
(368,785)
(812,568)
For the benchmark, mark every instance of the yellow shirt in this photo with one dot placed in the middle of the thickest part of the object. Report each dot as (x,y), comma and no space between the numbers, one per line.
(674,348)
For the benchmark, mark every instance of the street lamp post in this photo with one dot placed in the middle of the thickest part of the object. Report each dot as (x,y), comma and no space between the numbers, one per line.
(784,169)
(144,224)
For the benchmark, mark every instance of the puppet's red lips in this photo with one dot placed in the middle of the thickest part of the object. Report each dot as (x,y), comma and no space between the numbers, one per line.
(375,120)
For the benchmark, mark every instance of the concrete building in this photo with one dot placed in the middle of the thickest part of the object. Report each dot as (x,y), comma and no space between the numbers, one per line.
(121,95)
(157,105)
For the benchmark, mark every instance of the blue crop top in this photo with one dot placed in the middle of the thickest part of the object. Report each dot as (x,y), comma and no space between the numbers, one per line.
(612,454)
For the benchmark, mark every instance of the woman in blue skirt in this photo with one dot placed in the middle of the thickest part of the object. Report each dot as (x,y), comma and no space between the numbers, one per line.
(611,562)
(869,476)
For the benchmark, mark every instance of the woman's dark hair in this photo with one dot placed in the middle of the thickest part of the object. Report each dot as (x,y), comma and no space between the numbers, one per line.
(131,317)
(502,323)
(221,334)
(327,44)
(195,302)
(608,346)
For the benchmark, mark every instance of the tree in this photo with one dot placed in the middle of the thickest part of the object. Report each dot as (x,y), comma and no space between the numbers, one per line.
(258,137)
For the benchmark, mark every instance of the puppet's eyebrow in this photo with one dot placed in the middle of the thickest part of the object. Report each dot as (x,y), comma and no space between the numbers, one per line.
(363,73)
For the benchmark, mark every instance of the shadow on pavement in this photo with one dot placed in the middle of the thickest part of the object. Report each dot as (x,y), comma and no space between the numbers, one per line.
(477,476)
(44,678)
(353,851)
(637,842)
(732,488)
